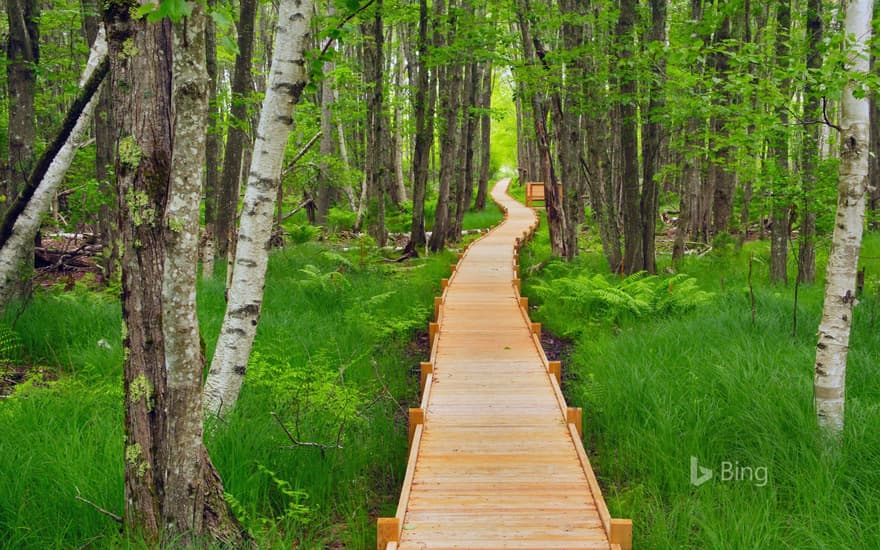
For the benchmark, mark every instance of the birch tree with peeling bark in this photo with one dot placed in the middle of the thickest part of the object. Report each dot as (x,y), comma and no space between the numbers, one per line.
(840,278)
(26,214)
(286,82)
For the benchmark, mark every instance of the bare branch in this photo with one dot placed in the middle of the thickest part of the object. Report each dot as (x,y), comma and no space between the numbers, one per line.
(109,514)
(298,443)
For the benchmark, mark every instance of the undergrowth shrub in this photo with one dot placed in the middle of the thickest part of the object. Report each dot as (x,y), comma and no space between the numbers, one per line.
(601,299)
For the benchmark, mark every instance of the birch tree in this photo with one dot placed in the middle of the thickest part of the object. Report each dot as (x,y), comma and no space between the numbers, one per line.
(286,82)
(25,215)
(840,278)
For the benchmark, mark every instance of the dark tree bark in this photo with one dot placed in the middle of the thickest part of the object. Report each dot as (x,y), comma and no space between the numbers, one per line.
(723,182)
(22,55)
(107,226)
(237,138)
(212,147)
(449,80)
(376,144)
(425,99)
(533,50)
(810,144)
(781,210)
(326,190)
(464,177)
(633,251)
(485,136)
(652,140)
(160,505)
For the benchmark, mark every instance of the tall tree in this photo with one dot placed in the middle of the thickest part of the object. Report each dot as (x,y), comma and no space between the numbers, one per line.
(485,136)
(423,107)
(287,79)
(652,128)
(627,124)
(172,492)
(22,58)
(212,148)
(810,144)
(450,80)
(840,277)
(376,169)
(781,209)
(237,137)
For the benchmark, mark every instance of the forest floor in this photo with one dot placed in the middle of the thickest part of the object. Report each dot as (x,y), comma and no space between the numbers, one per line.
(665,368)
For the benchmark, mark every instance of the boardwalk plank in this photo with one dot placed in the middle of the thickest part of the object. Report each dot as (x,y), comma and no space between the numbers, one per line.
(495,464)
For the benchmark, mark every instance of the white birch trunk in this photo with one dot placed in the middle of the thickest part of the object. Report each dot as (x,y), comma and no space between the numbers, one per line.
(28,222)
(834,329)
(287,79)
(184,496)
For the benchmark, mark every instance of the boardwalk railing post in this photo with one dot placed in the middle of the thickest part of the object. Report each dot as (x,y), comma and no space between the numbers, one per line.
(426,369)
(416,417)
(438,301)
(433,329)
(622,533)
(555,368)
(575,416)
(387,530)
(536,329)
(524,303)
(444,283)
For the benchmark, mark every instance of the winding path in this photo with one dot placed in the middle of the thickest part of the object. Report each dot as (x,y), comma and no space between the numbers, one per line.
(496,459)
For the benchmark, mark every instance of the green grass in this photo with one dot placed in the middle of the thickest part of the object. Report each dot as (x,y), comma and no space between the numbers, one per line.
(709,383)
(332,347)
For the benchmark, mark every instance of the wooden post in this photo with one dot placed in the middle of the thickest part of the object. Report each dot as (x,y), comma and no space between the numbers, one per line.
(516,284)
(452,267)
(433,329)
(444,283)
(426,369)
(536,329)
(555,368)
(622,533)
(387,530)
(524,303)
(438,301)
(460,255)
(576,416)
(416,417)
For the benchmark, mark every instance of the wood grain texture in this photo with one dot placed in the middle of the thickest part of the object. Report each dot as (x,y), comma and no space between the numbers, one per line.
(495,462)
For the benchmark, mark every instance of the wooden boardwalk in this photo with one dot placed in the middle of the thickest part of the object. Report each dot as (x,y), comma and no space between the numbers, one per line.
(496,459)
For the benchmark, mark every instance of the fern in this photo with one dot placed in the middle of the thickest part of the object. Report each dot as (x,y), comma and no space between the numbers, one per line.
(595,299)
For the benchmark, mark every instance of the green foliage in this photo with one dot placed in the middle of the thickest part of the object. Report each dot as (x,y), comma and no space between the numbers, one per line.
(10,346)
(591,299)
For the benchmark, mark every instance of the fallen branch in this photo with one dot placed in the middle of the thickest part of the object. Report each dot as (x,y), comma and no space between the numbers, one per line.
(293,212)
(109,514)
(297,443)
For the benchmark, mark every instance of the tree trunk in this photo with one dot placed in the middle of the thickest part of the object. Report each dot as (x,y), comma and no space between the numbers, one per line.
(485,137)
(450,84)
(25,215)
(326,190)
(840,279)
(287,79)
(652,139)
(193,503)
(464,169)
(810,145)
(377,146)
(556,222)
(22,56)
(781,210)
(237,138)
(212,149)
(425,99)
(633,259)
(106,226)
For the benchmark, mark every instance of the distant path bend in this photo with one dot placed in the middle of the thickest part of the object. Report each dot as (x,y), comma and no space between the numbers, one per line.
(496,460)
